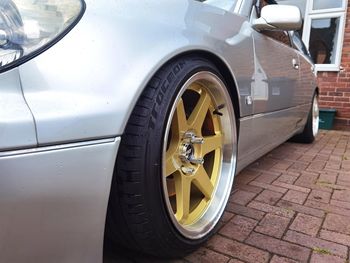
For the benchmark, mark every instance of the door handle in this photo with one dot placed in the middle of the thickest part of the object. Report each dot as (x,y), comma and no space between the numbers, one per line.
(295,64)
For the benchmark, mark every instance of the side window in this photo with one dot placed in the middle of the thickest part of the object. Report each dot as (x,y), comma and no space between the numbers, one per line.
(280,36)
(298,43)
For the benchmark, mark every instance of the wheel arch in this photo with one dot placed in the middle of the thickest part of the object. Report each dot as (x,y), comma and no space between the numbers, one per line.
(226,74)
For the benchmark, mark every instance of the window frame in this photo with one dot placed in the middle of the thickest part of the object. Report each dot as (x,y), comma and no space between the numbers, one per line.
(310,15)
(326,10)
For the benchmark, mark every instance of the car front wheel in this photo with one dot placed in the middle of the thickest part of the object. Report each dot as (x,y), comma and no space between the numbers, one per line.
(176,161)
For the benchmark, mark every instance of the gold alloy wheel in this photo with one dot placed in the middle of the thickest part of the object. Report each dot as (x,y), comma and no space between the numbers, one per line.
(199,155)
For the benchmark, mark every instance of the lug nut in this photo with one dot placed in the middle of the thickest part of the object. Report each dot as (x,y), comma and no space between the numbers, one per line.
(196,160)
(188,135)
(197,140)
(187,170)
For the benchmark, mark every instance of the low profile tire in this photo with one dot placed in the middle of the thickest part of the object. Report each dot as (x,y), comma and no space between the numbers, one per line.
(312,125)
(176,162)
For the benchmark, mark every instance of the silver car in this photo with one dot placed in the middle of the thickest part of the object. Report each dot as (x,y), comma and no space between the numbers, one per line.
(129,119)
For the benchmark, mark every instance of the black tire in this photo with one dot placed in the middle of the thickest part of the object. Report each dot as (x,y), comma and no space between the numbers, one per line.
(138,213)
(310,130)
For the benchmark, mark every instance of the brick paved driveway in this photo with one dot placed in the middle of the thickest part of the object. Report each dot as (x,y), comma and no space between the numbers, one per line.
(292,205)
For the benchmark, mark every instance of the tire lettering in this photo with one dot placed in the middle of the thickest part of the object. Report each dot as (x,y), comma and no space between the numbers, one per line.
(165,86)
(160,97)
(179,67)
(162,90)
(171,76)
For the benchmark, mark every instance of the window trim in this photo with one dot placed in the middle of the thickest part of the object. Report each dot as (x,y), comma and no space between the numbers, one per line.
(310,15)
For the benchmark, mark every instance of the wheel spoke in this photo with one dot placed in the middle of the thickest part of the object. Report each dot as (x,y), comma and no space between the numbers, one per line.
(183,197)
(211,143)
(170,165)
(179,124)
(200,111)
(202,181)
(170,184)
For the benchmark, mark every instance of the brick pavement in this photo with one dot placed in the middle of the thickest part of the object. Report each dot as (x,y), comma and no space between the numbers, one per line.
(292,205)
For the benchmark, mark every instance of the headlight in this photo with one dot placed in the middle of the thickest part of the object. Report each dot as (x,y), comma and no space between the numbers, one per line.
(28,27)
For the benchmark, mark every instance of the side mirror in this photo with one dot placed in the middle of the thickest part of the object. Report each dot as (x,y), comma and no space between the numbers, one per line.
(278,17)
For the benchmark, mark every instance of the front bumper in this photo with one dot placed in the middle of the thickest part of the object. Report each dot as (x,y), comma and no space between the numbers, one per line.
(53,202)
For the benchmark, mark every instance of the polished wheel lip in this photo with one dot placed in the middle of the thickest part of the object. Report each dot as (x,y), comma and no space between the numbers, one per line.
(315,116)
(215,209)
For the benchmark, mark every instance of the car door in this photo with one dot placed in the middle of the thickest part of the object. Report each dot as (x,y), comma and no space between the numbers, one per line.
(276,69)
(276,75)
(17,129)
(275,86)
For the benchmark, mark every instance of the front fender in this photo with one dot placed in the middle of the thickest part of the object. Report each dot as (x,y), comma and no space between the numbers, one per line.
(86,86)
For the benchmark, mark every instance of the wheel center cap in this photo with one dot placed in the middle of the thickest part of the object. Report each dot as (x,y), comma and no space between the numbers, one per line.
(186,152)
